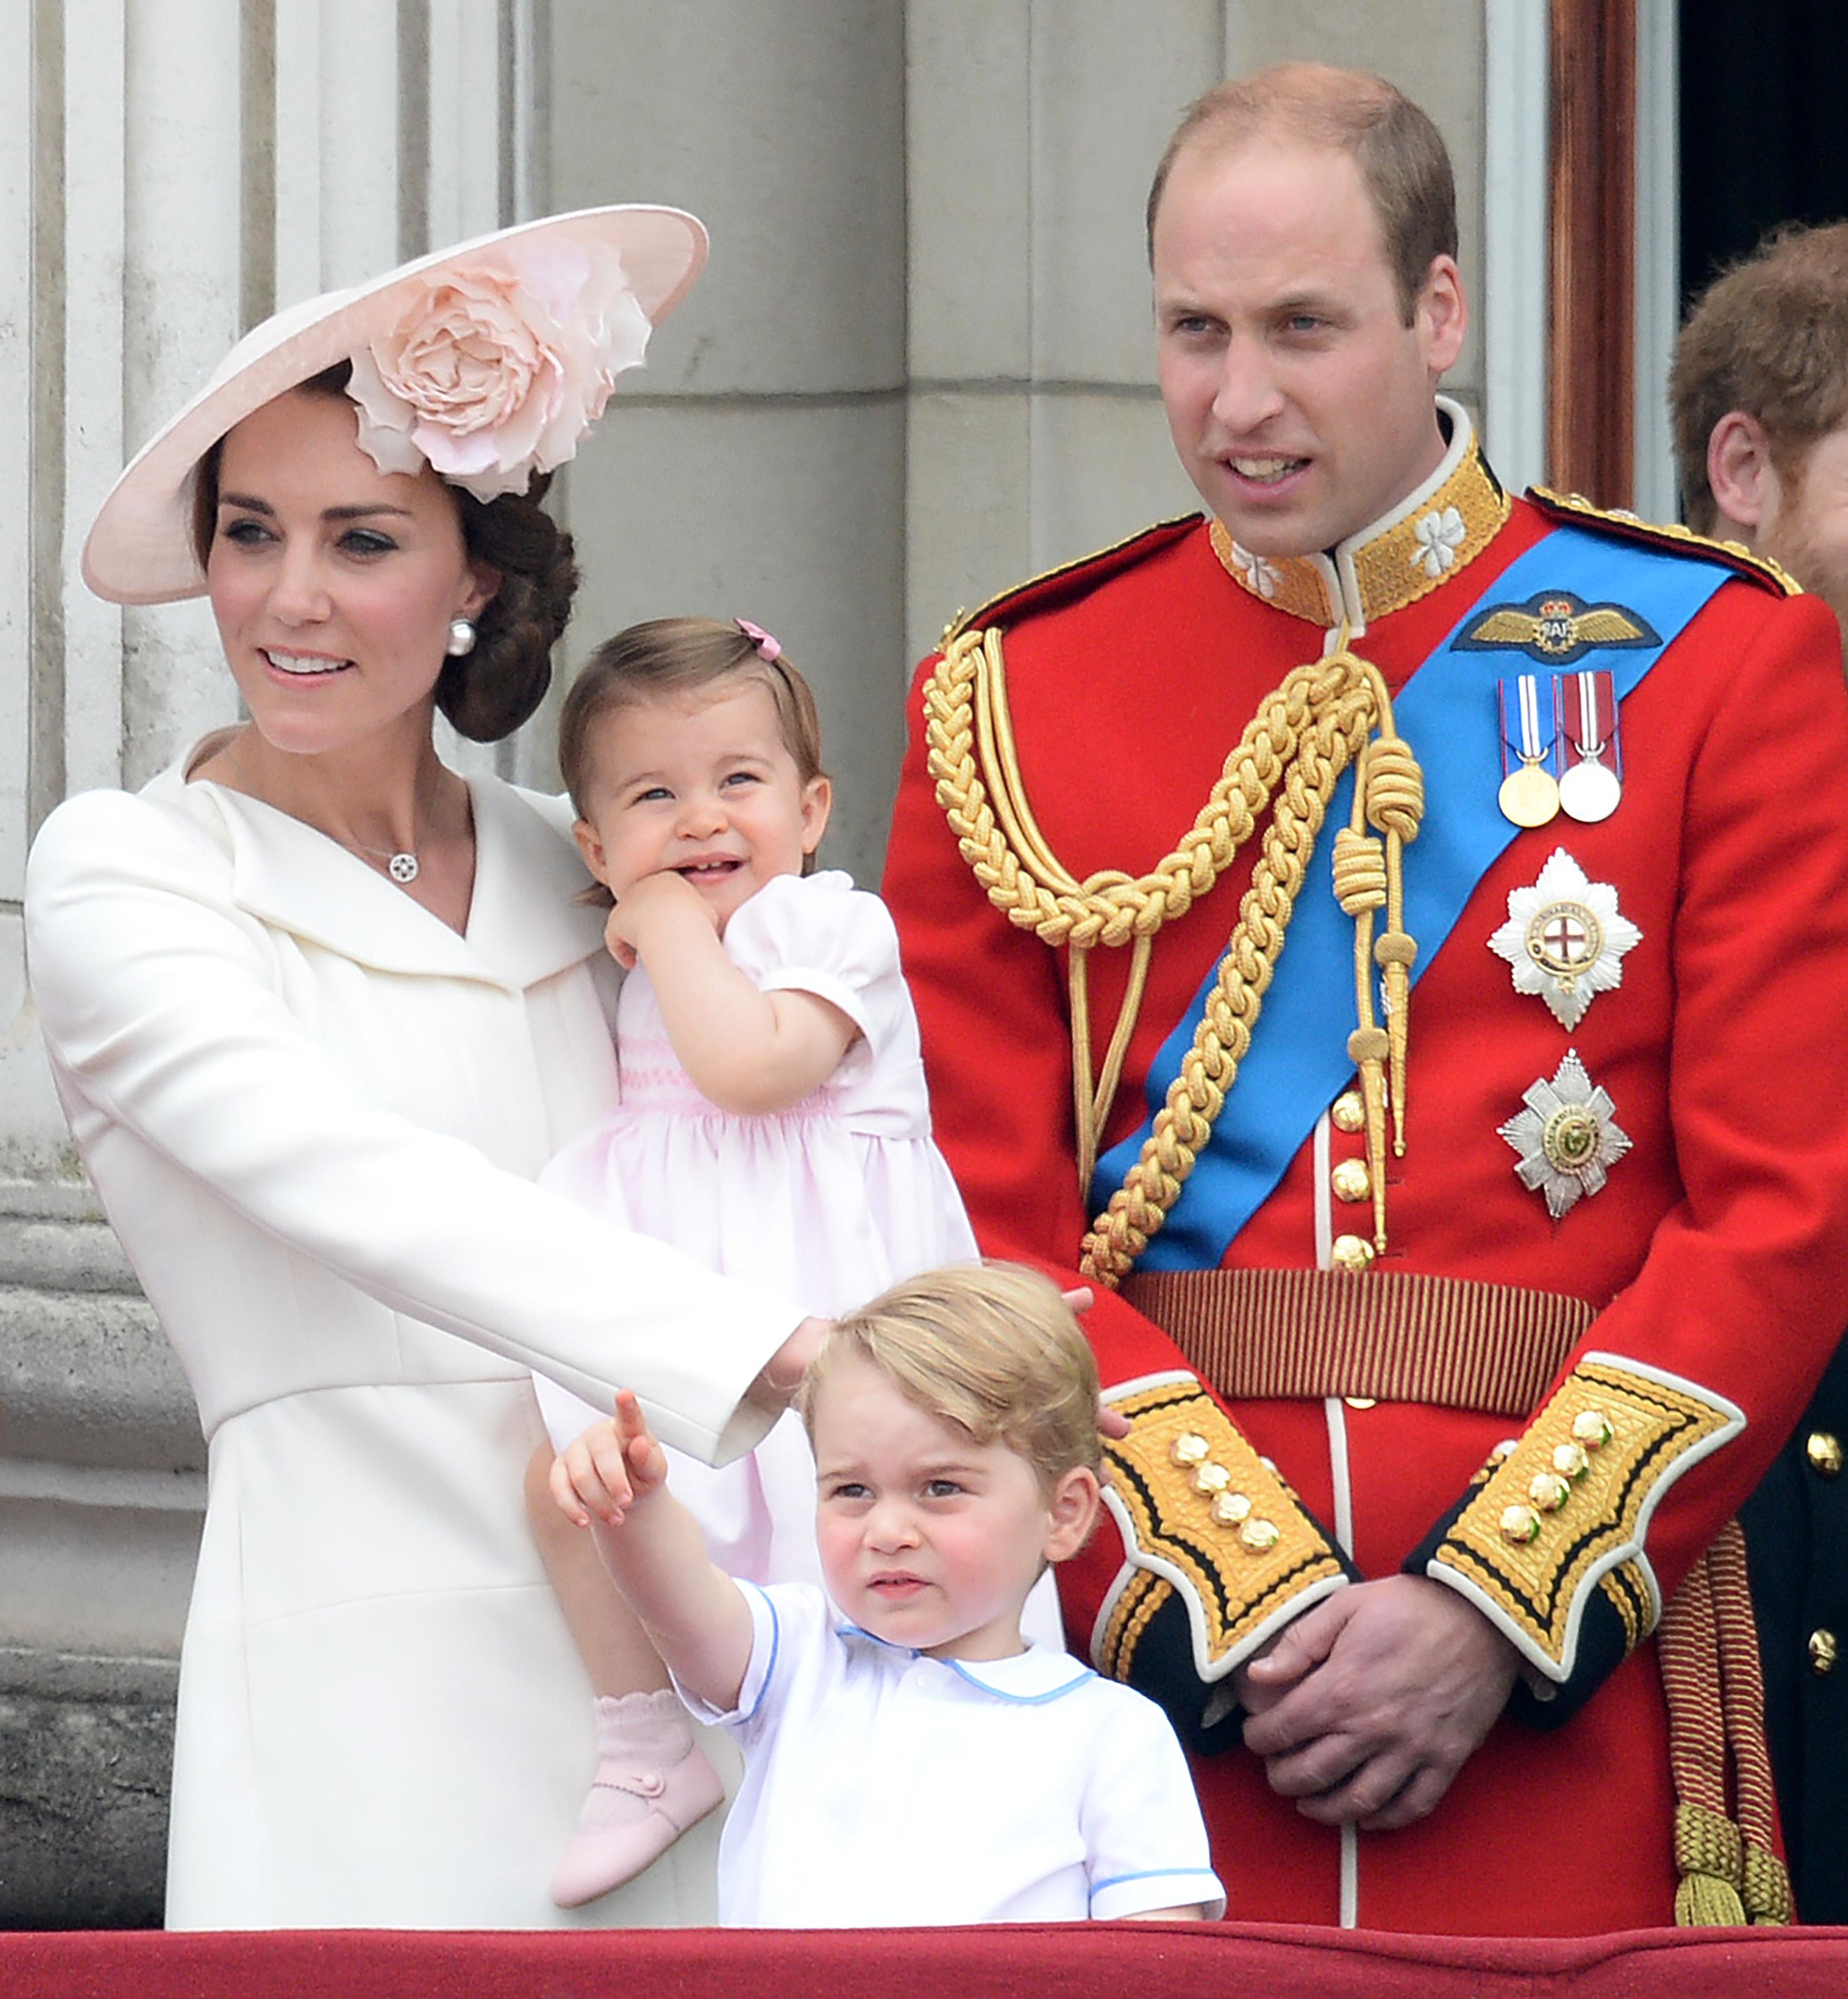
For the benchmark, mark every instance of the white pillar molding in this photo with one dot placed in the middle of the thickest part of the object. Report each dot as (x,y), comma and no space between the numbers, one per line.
(335,93)
(296,173)
(20,175)
(1515,289)
(90,420)
(1658,252)
(182,276)
(529,52)
(467,143)
(470,174)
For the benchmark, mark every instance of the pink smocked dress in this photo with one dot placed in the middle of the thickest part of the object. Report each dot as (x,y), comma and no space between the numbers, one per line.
(827,1203)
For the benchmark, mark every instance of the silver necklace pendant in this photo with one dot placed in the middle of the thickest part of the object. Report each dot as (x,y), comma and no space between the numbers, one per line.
(402,867)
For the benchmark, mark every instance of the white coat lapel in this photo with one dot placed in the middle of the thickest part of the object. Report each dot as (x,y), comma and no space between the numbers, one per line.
(523,926)
(525,920)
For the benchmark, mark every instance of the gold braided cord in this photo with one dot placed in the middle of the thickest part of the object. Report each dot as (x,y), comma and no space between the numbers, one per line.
(1304,734)
(1395,805)
(1347,699)
(970,739)
(1764,1886)
(1091,1099)
(1110,1075)
(1010,857)
(1708,1649)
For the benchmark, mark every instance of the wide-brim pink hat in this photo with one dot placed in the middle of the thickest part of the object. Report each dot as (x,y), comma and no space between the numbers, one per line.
(572,297)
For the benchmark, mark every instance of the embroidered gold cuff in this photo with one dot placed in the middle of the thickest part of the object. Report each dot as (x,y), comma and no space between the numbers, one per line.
(1202,1513)
(1566,1511)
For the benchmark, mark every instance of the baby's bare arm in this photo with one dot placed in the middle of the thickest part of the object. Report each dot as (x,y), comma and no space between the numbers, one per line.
(614,1480)
(751,1052)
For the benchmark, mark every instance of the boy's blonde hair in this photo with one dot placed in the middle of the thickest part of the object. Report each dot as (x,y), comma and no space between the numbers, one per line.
(991,1348)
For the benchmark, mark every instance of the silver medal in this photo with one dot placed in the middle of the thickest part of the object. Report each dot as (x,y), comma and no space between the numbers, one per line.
(1590,793)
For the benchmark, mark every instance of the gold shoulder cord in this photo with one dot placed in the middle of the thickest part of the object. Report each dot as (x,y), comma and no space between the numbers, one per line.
(1761,565)
(1323,717)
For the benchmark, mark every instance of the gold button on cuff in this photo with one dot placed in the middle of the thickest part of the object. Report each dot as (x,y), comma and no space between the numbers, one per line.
(1349,1113)
(1549,1491)
(1189,1448)
(1824,1452)
(1351,1181)
(1260,1536)
(1229,1508)
(1592,1428)
(1210,1478)
(1352,1252)
(1520,1524)
(1570,1462)
(1361,1402)
(1822,1652)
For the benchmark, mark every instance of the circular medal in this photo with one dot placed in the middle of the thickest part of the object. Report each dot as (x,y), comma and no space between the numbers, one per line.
(1590,793)
(1529,796)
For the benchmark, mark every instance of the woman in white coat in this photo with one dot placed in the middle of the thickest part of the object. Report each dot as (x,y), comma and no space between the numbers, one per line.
(318,1008)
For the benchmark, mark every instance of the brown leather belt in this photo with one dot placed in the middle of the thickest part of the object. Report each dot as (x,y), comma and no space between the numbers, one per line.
(1392,1336)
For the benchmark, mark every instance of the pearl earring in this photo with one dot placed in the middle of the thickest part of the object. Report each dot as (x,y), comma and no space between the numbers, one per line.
(462,638)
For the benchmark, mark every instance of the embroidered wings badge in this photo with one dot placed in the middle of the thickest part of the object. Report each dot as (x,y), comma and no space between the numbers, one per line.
(1556,627)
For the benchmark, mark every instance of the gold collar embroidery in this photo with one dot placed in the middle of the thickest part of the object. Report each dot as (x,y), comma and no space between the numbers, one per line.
(1441,528)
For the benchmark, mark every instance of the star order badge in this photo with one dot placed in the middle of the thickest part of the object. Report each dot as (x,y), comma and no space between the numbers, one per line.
(1567,1139)
(1565,938)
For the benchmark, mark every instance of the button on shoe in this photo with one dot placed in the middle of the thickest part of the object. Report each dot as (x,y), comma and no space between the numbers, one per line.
(605,1853)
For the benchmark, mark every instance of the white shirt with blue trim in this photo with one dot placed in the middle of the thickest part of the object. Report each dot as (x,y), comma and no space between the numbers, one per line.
(884,1787)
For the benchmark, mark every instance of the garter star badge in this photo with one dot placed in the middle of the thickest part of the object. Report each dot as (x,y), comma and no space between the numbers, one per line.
(1566,939)
(1566,1137)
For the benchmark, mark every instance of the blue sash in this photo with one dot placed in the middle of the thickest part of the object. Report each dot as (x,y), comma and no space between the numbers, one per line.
(1298,1062)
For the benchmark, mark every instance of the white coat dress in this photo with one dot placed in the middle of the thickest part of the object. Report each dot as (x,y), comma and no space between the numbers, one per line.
(313,1111)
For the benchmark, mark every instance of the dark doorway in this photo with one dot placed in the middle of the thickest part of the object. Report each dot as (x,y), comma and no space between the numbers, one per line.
(1764,124)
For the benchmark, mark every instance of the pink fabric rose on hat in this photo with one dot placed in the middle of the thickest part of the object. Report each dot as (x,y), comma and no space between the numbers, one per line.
(493,371)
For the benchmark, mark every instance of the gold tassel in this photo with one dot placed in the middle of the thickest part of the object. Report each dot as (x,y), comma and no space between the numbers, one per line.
(1709,1856)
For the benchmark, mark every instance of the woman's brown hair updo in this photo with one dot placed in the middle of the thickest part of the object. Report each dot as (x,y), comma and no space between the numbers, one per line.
(487,693)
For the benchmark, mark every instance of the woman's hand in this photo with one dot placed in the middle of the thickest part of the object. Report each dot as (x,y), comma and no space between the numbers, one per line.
(615,1465)
(645,905)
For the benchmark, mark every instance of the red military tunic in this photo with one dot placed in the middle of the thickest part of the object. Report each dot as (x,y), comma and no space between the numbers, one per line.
(1715,1255)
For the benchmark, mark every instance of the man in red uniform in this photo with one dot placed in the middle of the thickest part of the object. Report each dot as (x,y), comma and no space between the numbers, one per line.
(1393,937)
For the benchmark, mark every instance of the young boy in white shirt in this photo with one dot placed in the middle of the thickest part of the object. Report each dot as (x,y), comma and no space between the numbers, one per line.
(910,1758)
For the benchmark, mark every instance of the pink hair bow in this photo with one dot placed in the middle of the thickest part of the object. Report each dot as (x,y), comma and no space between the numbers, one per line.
(769,650)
